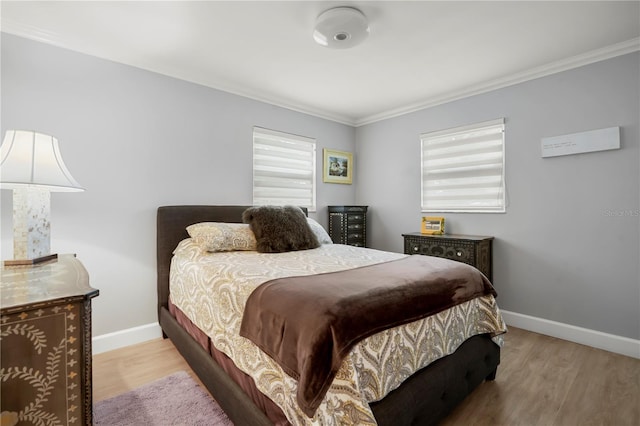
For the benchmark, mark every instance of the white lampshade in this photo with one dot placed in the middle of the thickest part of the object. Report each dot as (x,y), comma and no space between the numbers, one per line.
(31,165)
(30,158)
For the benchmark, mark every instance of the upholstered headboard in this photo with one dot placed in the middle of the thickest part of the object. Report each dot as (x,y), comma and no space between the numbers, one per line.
(172,222)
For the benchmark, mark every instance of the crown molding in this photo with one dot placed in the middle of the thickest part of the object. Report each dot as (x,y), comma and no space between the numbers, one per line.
(593,56)
(32,32)
(275,101)
(608,52)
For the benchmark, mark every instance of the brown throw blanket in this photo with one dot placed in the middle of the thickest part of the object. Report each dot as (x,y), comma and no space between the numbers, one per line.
(308,324)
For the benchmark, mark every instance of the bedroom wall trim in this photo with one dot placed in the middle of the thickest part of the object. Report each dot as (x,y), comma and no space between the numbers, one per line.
(130,336)
(618,49)
(597,339)
(597,55)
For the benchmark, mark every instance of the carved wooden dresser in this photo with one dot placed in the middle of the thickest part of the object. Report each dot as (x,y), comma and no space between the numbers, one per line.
(348,225)
(45,339)
(474,250)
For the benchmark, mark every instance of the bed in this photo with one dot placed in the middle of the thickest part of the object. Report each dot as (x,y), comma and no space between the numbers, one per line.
(424,398)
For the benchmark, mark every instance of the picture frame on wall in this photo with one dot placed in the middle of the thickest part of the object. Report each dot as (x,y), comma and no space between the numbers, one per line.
(337,166)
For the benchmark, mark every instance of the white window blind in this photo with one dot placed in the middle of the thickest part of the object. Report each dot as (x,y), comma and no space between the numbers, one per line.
(284,169)
(463,169)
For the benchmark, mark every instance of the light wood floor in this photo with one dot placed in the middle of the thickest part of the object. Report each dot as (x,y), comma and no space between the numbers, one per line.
(541,381)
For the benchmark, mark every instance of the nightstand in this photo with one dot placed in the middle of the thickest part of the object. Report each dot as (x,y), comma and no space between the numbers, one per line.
(473,250)
(348,225)
(45,337)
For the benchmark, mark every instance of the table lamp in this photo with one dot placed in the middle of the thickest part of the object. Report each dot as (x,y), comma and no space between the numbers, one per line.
(31,165)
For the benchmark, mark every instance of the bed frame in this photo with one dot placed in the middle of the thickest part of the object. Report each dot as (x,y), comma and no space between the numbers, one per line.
(423,399)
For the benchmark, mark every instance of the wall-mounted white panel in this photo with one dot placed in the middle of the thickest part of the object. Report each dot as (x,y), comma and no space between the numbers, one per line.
(576,143)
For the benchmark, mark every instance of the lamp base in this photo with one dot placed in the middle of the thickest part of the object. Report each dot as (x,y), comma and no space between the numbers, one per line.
(26,262)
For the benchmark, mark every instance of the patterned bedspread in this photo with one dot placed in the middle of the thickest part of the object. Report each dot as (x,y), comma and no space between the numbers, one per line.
(212,289)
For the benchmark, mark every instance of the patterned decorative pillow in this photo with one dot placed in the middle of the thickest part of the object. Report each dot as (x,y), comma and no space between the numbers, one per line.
(219,236)
(280,229)
(318,230)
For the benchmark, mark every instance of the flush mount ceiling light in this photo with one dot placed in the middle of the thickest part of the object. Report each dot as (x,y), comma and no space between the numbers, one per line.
(341,28)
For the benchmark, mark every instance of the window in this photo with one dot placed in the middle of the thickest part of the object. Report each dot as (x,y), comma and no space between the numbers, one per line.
(284,169)
(463,169)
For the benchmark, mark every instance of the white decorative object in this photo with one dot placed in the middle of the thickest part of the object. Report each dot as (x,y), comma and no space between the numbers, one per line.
(576,143)
(31,165)
(31,226)
(341,28)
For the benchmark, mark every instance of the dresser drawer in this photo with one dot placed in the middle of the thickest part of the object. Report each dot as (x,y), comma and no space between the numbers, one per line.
(356,239)
(454,250)
(355,218)
(354,226)
(356,243)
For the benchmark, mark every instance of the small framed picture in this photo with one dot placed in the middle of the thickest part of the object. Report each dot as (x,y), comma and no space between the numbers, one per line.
(337,167)
(433,225)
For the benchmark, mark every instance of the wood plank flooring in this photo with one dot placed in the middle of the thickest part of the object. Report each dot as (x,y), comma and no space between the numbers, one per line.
(541,381)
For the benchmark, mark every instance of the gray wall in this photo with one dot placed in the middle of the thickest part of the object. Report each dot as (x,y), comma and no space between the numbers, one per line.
(137,140)
(567,249)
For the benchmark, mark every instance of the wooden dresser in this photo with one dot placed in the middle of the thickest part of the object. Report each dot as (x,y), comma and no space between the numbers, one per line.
(45,325)
(474,250)
(348,225)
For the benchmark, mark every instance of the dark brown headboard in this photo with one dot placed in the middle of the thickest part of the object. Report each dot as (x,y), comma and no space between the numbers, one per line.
(172,222)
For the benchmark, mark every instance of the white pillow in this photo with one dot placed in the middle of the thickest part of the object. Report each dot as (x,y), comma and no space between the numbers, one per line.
(318,230)
(218,236)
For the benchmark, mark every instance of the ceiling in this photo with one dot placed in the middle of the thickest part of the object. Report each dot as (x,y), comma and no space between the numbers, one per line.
(418,53)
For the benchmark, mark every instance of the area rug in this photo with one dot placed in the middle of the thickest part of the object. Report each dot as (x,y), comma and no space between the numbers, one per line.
(175,400)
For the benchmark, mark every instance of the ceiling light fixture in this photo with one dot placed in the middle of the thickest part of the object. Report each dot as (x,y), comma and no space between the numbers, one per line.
(341,28)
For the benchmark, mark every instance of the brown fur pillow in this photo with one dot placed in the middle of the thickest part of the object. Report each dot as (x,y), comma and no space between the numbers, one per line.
(280,228)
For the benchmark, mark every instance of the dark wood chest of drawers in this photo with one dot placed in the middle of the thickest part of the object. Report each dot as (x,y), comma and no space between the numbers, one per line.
(473,250)
(348,225)
(46,343)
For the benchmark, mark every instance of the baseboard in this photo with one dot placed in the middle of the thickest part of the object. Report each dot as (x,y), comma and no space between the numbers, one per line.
(584,336)
(130,336)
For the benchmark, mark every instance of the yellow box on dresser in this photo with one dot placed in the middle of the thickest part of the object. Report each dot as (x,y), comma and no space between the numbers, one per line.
(432,225)
(45,343)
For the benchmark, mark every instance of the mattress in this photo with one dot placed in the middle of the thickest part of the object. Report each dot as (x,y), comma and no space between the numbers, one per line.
(211,289)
